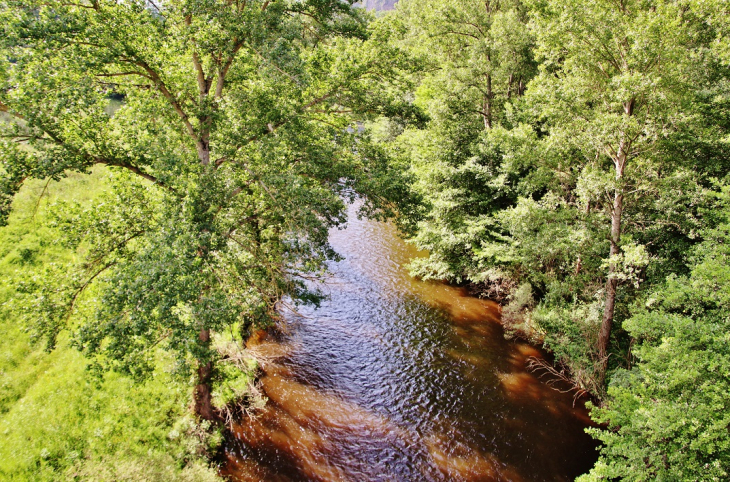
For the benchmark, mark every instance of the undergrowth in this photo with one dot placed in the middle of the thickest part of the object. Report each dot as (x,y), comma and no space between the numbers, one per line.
(58,421)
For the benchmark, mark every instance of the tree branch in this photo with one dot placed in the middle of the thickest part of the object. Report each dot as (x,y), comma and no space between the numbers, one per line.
(120,74)
(135,170)
(226,67)
(271,128)
(6,109)
(154,76)
(287,74)
(78,292)
(202,83)
(159,10)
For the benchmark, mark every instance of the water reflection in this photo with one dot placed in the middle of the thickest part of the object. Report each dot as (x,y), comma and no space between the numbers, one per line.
(393,379)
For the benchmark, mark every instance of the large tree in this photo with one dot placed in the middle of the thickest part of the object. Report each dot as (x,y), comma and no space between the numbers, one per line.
(614,83)
(232,150)
(479,50)
(667,417)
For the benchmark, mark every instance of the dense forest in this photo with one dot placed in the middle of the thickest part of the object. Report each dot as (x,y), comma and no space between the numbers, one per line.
(169,172)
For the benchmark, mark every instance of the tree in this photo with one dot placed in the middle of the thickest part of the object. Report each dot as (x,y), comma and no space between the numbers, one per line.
(584,192)
(478,59)
(232,151)
(614,81)
(480,52)
(667,417)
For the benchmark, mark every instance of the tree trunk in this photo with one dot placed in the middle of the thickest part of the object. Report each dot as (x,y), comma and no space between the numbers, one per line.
(611,284)
(609,309)
(202,394)
(488,104)
(203,151)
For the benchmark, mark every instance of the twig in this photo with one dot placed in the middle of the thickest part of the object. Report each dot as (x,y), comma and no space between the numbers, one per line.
(37,205)
(534,364)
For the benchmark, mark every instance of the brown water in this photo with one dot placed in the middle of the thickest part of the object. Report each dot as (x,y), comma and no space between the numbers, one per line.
(393,379)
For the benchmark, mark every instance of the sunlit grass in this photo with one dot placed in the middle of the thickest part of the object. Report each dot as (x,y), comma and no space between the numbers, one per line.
(57,422)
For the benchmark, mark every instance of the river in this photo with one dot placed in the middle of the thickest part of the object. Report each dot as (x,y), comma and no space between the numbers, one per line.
(395,379)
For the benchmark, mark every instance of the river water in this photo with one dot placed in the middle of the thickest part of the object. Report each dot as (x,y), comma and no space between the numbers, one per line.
(394,379)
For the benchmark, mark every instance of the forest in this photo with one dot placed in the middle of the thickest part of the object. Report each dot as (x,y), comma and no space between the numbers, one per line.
(171,170)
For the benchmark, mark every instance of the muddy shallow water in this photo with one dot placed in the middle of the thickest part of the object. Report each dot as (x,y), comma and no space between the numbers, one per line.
(394,379)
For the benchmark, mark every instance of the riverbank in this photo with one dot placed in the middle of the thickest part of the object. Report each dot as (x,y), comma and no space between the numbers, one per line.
(396,378)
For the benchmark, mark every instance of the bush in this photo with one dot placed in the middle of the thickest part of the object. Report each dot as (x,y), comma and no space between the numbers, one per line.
(668,418)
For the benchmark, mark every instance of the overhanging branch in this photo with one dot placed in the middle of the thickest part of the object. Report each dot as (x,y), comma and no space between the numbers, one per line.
(6,109)
(135,170)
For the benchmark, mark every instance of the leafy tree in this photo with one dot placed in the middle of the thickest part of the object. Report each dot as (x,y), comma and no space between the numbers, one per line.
(714,14)
(587,193)
(583,192)
(480,51)
(668,416)
(478,58)
(232,150)
(614,81)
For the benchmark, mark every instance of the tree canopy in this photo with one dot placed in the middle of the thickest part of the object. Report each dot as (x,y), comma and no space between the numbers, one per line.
(235,148)
(669,413)
(567,158)
(582,200)
(582,186)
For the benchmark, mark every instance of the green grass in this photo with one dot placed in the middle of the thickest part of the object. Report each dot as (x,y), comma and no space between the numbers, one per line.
(57,422)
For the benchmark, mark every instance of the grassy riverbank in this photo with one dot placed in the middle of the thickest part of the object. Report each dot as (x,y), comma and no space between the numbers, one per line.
(57,420)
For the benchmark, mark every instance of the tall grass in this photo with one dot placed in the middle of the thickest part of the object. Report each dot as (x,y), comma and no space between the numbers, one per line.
(57,422)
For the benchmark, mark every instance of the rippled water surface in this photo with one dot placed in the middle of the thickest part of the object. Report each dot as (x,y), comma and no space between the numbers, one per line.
(393,379)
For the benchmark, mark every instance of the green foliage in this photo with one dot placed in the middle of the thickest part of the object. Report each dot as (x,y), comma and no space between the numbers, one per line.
(158,468)
(234,151)
(65,422)
(477,57)
(586,182)
(569,331)
(668,416)
(591,187)
(58,422)
(594,184)
(235,381)
(561,150)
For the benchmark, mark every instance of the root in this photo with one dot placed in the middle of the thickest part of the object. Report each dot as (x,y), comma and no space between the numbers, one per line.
(556,376)
(250,400)
(248,406)
(498,290)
